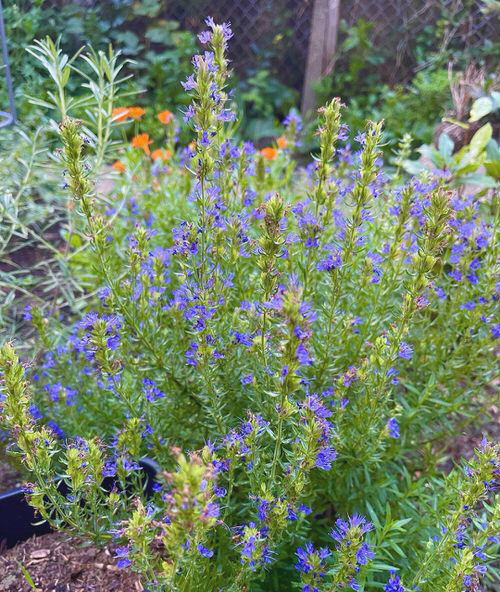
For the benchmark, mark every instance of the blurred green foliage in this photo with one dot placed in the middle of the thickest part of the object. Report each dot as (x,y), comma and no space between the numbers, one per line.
(160,54)
(357,78)
(416,106)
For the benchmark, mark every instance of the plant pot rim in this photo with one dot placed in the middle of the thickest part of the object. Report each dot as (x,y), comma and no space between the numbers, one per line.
(19,522)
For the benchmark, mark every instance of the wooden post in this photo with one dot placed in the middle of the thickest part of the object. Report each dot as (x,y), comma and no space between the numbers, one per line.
(322,46)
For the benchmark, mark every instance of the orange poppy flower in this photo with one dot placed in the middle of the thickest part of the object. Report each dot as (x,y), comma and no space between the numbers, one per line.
(282,142)
(269,153)
(165,116)
(119,166)
(120,113)
(142,141)
(161,153)
(136,112)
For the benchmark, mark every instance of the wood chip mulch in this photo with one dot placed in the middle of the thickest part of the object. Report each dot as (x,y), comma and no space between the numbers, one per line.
(59,563)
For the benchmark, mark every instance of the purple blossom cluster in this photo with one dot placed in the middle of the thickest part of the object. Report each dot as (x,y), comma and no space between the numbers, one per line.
(322,301)
(311,563)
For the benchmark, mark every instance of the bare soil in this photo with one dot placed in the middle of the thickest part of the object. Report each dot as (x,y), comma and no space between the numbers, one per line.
(57,562)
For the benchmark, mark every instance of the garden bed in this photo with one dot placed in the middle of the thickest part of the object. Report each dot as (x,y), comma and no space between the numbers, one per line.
(59,563)
(303,353)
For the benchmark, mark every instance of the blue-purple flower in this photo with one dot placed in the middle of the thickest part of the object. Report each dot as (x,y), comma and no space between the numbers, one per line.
(394,584)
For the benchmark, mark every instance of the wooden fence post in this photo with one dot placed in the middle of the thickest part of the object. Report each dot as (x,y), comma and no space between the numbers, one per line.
(322,46)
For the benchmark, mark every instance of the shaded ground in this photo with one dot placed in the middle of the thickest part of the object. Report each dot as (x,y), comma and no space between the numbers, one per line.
(10,478)
(462,446)
(59,563)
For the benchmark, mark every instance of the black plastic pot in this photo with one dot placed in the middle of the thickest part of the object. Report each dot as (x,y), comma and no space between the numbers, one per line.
(18,518)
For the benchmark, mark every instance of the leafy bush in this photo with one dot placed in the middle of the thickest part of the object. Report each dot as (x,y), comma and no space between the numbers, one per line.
(464,166)
(260,98)
(418,107)
(415,108)
(363,72)
(292,347)
(160,51)
(159,55)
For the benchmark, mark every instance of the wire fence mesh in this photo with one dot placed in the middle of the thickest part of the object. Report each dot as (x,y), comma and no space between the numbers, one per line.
(398,25)
(276,32)
(273,33)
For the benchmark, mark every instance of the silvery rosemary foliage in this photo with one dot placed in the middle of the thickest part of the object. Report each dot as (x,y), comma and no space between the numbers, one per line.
(290,346)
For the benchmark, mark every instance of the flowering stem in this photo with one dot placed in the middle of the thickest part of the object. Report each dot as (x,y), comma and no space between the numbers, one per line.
(277,448)
(334,298)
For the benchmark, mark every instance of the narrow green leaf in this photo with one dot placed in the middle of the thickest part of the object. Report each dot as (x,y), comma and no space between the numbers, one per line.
(27,576)
(446,146)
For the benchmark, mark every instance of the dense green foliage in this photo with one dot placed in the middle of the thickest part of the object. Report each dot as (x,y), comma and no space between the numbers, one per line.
(362,73)
(294,346)
(159,51)
(161,54)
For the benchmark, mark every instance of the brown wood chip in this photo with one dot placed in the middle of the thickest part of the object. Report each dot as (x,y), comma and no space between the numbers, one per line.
(59,563)
(40,554)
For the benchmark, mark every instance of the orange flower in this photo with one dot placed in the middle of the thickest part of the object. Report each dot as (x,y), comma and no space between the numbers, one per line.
(136,112)
(120,113)
(269,153)
(142,141)
(119,166)
(192,145)
(161,153)
(282,142)
(165,116)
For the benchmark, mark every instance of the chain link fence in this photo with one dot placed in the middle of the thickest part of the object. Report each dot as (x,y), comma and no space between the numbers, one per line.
(276,32)
(397,25)
(271,33)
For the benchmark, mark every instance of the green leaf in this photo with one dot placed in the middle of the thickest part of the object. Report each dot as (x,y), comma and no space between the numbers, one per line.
(493,169)
(495,97)
(414,167)
(399,523)
(478,179)
(427,151)
(373,516)
(480,108)
(467,168)
(445,145)
(388,515)
(148,8)
(382,566)
(480,139)
(493,151)
(75,241)
(40,103)
(158,34)
(398,549)
(27,576)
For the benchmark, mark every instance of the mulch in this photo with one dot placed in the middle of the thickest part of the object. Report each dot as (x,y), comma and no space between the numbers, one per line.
(57,562)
